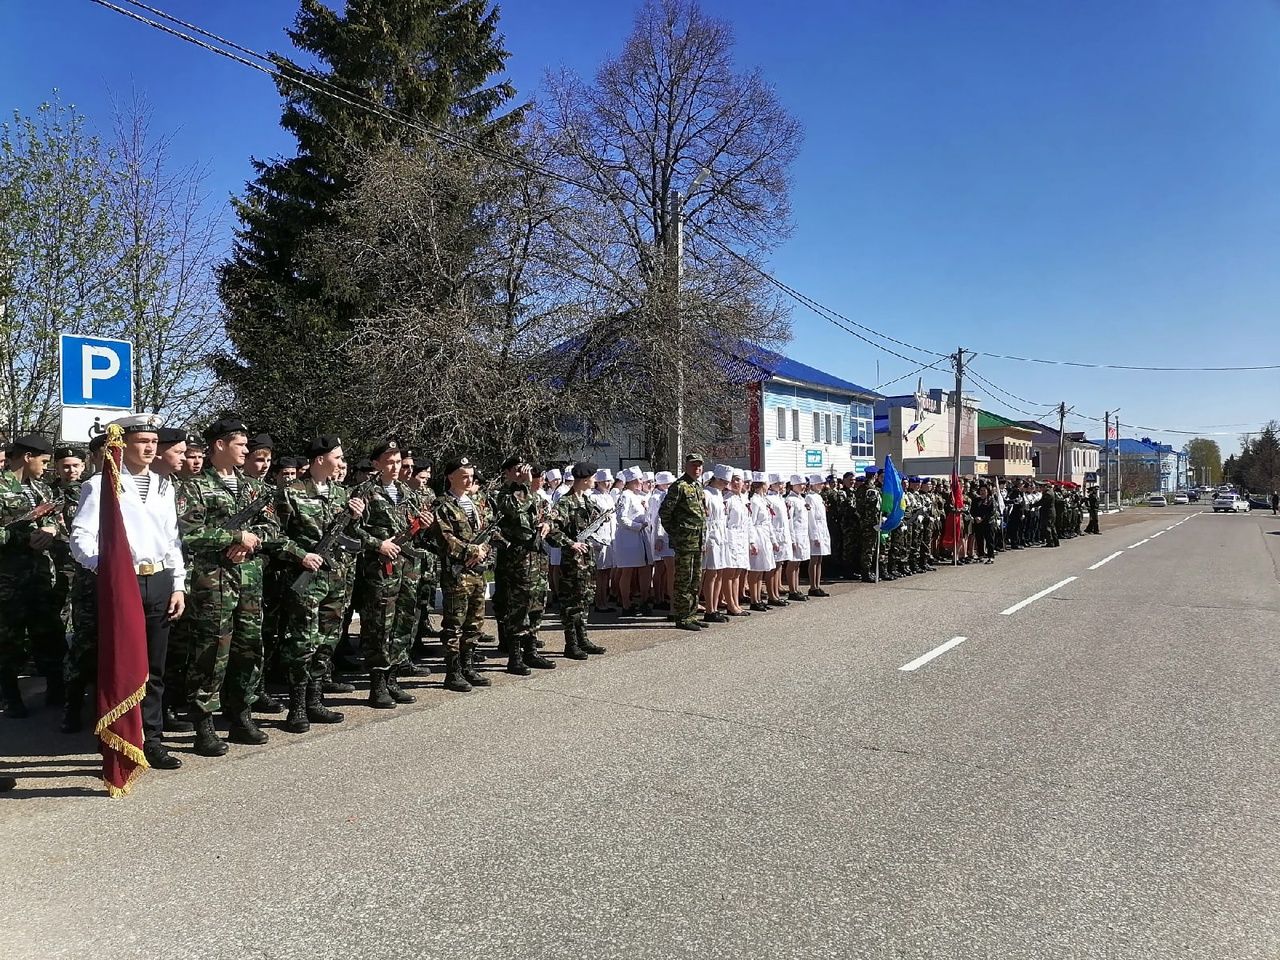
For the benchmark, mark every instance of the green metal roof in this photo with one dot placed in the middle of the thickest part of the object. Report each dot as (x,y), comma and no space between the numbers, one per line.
(993,421)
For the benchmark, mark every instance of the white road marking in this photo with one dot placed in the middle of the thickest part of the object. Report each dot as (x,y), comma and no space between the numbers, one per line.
(1159,533)
(1106,560)
(937,651)
(1139,543)
(1035,596)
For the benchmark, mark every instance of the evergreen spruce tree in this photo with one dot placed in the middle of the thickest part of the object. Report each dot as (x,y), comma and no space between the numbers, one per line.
(433,60)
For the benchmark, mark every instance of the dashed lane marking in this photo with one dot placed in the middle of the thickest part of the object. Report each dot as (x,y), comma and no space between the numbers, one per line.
(1107,559)
(1134,546)
(1035,596)
(937,651)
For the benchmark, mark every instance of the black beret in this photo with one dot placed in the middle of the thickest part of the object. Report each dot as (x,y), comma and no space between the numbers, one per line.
(582,471)
(512,462)
(323,444)
(387,446)
(96,443)
(262,441)
(365,464)
(536,469)
(408,453)
(63,453)
(170,435)
(454,465)
(31,443)
(225,428)
(194,442)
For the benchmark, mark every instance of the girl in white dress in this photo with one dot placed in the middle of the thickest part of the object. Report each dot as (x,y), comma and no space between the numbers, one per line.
(715,551)
(779,515)
(760,563)
(799,520)
(819,534)
(664,558)
(603,499)
(737,523)
(632,553)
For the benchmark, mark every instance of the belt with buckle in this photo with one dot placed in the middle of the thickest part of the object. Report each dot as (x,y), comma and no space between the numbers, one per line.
(147,569)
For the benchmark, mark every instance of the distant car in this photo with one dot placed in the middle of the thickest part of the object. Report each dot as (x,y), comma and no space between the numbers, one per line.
(1193,496)
(1230,503)
(1181,497)
(1259,502)
(1157,500)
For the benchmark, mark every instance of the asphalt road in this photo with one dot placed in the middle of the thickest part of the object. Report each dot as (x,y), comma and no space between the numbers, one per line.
(1094,774)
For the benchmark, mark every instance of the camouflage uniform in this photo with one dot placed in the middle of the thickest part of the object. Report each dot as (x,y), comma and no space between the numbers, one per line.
(224,597)
(851,535)
(834,500)
(314,617)
(573,513)
(1048,521)
(463,587)
(869,517)
(29,596)
(429,575)
(519,514)
(684,517)
(382,582)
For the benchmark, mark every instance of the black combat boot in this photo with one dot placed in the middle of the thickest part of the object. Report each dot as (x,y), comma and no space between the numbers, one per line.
(379,698)
(411,669)
(243,729)
(317,712)
(868,578)
(54,688)
(267,704)
(468,664)
(453,679)
(336,686)
(504,641)
(584,643)
(398,693)
(208,743)
(515,658)
(296,721)
(175,724)
(532,658)
(14,708)
(159,757)
(72,707)
(571,651)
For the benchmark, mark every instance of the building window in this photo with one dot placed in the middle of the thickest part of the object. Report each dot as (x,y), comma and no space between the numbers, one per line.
(795,425)
(839,429)
(817,428)
(782,423)
(826,427)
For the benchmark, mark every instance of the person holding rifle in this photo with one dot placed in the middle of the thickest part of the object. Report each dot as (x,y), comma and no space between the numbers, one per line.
(227,519)
(576,518)
(314,516)
(465,527)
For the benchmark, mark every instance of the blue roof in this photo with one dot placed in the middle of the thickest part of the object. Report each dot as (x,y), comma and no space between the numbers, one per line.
(776,365)
(1129,445)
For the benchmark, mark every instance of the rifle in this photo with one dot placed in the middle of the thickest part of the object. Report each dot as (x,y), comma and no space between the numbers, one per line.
(248,512)
(482,537)
(37,512)
(594,525)
(333,540)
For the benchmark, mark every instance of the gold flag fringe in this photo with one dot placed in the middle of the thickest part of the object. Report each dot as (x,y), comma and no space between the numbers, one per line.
(114,740)
(114,791)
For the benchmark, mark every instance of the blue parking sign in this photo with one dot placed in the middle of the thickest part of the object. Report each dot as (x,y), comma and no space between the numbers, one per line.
(96,372)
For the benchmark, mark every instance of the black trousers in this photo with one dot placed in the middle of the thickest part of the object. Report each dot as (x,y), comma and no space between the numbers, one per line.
(156,590)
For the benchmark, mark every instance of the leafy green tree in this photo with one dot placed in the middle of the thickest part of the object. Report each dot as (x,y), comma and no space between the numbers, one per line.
(430,60)
(1205,461)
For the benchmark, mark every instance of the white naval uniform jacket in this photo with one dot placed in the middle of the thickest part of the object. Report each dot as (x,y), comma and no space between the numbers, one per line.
(152,527)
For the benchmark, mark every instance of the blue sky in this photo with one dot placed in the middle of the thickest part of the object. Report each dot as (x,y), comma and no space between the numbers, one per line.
(1091,181)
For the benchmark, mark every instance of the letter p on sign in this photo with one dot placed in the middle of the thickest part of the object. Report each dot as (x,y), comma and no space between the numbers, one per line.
(96,372)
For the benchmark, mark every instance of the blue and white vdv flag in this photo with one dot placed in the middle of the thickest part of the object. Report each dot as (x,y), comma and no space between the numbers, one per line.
(891,497)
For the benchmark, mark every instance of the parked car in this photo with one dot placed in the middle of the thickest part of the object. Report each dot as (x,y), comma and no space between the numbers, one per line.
(1259,502)
(1181,497)
(1157,500)
(1230,503)
(1193,496)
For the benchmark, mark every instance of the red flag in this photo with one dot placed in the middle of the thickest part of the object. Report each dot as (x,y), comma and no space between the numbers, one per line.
(122,638)
(953,530)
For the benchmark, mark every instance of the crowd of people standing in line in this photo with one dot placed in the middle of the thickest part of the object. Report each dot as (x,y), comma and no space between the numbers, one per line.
(253,567)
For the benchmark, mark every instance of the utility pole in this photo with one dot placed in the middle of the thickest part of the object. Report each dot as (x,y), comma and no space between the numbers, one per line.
(955,449)
(1062,439)
(1119,482)
(675,251)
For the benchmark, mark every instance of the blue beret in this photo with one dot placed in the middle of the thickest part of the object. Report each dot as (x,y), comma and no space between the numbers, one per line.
(870,471)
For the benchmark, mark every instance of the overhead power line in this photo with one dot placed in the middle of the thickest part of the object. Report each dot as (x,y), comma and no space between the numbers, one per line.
(310,81)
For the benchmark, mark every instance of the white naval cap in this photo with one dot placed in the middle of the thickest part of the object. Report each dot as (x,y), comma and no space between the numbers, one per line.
(648,475)
(552,475)
(816,478)
(138,423)
(759,476)
(603,475)
(630,473)
(722,471)
(736,474)
(796,480)
(775,478)
(664,476)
